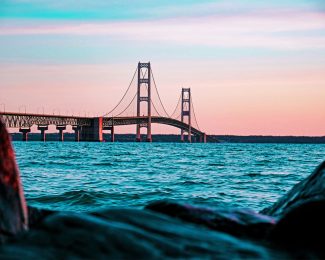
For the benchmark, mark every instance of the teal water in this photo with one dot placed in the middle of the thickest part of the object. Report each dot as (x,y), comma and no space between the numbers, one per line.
(88,176)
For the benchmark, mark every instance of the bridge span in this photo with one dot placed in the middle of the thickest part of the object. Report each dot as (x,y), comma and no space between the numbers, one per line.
(91,128)
(86,128)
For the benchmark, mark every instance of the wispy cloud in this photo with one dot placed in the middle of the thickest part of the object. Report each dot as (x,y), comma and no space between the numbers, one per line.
(264,30)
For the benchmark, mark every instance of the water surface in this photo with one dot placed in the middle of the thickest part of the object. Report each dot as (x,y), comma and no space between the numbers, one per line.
(88,176)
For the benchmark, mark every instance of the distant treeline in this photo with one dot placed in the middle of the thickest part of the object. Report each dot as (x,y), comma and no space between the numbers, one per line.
(176,138)
(271,139)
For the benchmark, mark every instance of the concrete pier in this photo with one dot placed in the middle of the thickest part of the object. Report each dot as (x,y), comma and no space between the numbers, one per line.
(43,128)
(77,130)
(203,138)
(61,128)
(149,138)
(112,134)
(25,131)
(111,129)
(94,132)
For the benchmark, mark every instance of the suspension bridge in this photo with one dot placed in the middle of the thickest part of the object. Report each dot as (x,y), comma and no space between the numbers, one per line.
(140,105)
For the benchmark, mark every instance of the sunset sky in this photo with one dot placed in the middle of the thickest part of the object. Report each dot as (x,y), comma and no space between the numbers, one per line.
(255,67)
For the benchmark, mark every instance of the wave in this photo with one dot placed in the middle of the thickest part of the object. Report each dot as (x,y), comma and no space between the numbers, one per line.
(102,164)
(74,197)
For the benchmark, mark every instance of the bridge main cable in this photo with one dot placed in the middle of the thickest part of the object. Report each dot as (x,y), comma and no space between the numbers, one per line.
(178,103)
(123,95)
(159,95)
(127,105)
(192,104)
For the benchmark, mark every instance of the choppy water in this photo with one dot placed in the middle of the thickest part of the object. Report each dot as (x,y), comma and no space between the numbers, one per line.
(87,176)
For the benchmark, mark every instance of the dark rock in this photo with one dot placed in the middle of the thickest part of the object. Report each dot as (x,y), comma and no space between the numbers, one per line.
(128,234)
(301,229)
(237,222)
(13,210)
(310,189)
(36,216)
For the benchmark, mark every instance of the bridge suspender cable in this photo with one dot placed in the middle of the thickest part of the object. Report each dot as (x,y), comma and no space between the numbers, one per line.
(158,94)
(154,107)
(123,95)
(194,114)
(143,75)
(178,102)
(128,105)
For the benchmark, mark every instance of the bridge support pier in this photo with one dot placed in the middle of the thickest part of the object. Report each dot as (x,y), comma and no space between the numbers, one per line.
(110,128)
(182,136)
(76,129)
(25,131)
(138,137)
(94,132)
(203,138)
(112,134)
(61,128)
(43,128)
(189,137)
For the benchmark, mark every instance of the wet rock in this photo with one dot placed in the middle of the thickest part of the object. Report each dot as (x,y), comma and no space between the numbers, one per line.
(237,222)
(37,215)
(13,210)
(128,233)
(310,189)
(301,229)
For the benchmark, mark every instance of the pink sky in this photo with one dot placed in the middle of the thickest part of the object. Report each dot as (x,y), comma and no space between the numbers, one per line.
(258,70)
(243,101)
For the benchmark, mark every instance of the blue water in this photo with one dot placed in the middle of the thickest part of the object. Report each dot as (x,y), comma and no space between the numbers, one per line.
(88,176)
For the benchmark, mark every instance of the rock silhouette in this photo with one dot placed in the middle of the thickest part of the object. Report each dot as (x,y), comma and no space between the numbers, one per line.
(238,222)
(301,230)
(128,233)
(13,210)
(310,189)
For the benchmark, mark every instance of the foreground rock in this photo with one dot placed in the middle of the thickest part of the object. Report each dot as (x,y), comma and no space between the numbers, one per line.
(13,210)
(301,230)
(310,189)
(238,222)
(302,216)
(128,234)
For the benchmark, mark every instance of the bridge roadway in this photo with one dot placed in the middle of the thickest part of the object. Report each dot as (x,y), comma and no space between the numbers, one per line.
(90,128)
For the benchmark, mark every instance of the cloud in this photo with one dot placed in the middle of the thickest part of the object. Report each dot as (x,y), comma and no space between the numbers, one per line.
(268,29)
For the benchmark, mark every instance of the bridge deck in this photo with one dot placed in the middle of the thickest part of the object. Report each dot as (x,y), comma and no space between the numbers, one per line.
(18,120)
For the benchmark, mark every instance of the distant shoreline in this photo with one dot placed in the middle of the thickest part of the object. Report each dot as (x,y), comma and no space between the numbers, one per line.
(271,139)
(176,138)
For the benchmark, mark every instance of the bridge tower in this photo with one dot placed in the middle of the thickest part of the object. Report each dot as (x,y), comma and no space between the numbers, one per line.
(186,112)
(144,86)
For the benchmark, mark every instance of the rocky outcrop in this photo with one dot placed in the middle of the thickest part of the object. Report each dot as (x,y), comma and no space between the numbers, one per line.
(129,234)
(301,230)
(36,216)
(308,190)
(301,215)
(13,210)
(238,222)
